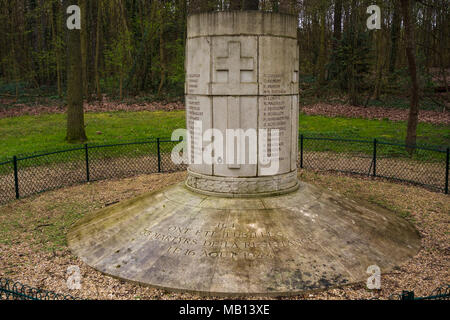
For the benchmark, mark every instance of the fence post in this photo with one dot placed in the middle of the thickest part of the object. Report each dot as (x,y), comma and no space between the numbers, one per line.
(158,143)
(16,177)
(86,152)
(374,157)
(407,295)
(301,151)
(446,170)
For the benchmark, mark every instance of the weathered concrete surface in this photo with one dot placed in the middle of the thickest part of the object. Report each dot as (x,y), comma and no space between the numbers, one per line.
(222,23)
(231,187)
(183,241)
(242,73)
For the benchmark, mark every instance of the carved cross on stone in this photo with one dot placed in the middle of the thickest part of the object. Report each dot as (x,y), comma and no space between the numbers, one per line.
(239,69)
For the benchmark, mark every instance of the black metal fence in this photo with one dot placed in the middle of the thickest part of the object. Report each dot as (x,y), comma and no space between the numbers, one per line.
(421,165)
(13,290)
(441,293)
(26,175)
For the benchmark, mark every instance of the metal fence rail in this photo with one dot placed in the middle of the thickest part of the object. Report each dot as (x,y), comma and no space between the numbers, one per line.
(27,175)
(427,167)
(12,290)
(441,293)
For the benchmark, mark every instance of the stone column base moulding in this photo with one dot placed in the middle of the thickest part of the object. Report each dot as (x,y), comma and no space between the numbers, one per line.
(242,187)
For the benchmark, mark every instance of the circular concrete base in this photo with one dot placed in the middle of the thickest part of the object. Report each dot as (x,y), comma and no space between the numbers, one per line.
(240,187)
(183,241)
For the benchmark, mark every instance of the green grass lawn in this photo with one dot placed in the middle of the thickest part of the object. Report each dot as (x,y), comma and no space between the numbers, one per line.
(30,134)
(393,131)
(27,134)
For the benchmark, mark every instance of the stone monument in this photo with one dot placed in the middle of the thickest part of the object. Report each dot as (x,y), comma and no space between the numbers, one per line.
(242,73)
(235,227)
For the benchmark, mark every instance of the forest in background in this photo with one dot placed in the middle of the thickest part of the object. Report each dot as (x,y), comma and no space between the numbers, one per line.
(136,47)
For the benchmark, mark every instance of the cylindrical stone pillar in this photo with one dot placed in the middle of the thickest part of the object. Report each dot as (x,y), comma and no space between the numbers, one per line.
(242,73)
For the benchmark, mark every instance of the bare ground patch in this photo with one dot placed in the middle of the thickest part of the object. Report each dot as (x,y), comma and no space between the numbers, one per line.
(33,248)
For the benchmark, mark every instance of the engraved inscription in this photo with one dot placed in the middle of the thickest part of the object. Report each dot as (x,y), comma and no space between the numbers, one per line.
(276,115)
(198,66)
(194,113)
(272,84)
(223,241)
(193,82)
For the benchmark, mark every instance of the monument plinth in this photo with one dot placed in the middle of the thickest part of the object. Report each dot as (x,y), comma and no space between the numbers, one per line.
(241,227)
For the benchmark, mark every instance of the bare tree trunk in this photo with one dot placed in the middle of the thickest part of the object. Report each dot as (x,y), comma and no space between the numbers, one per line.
(235,4)
(84,46)
(97,51)
(162,57)
(162,51)
(379,64)
(337,35)
(127,54)
(444,76)
(55,18)
(251,5)
(14,57)
(322,59)
(353,91)
(121,83)
(443,55)
(75,113)
(285,6)
(395,32)
(337,23)
(16,73)
(411,134)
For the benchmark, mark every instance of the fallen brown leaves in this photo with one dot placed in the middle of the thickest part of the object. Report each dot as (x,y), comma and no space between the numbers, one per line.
(25,258)
(378,113)
(107,106)
(323,109)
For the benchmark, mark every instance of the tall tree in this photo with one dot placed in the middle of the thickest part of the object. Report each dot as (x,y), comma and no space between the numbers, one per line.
(395,34)
(162,49)
(411,55)
(84,46)
(235,4)
(286,6)
(75,113)
(337,25)
(56,31)
(380,58)
(251,5)
(97,50)
(322,58)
